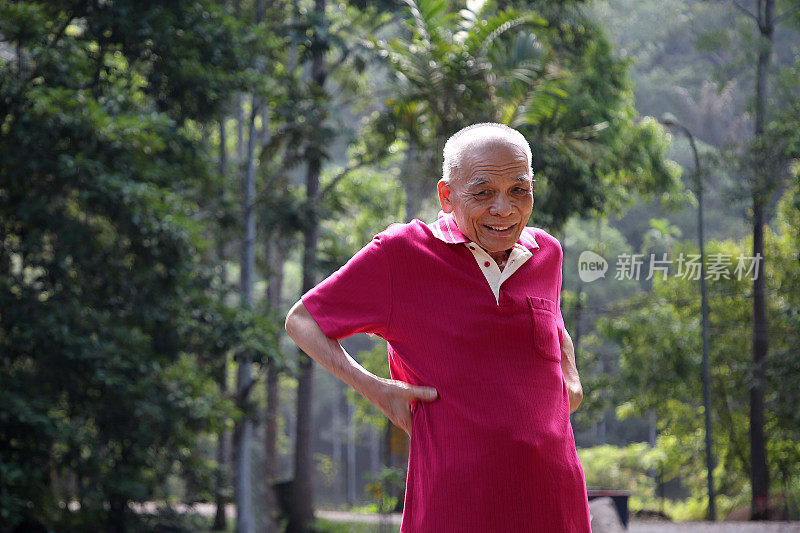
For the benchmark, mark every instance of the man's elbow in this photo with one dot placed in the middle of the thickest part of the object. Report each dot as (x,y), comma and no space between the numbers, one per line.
(292,319)
(579,394)
(575,392)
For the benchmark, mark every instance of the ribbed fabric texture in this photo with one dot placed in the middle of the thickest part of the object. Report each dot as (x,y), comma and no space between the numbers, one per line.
(495,451)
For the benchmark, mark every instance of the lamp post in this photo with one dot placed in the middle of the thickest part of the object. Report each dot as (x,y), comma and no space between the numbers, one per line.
(669,120)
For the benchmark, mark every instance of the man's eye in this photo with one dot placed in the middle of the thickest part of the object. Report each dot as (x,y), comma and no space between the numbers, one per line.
(521,190)
(480,193)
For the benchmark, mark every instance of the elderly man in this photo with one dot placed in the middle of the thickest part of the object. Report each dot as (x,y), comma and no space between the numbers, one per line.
(483,371)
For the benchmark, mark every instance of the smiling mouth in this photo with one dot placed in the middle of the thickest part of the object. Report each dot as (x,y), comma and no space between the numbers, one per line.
(499,229)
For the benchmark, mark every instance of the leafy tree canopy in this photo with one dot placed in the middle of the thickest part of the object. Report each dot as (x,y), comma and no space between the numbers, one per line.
(550,74)
(110,328)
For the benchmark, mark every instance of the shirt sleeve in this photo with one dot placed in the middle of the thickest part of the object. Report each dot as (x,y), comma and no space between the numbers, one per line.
(357,297)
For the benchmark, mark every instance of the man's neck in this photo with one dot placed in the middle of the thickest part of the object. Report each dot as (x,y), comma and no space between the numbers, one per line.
(500,258)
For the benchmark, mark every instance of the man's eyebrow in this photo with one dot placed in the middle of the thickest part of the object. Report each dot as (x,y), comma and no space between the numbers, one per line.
(477,182)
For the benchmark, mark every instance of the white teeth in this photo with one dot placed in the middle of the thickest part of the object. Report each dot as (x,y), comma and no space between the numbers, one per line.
(498,228)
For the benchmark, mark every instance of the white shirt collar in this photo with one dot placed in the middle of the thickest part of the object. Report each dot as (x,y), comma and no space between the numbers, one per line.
(445,229)
(491,271)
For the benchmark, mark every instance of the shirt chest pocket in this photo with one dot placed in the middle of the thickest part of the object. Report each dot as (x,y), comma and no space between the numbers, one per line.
(545,331)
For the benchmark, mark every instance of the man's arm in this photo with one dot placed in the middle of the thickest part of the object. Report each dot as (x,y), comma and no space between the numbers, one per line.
(392,397)
(570,372)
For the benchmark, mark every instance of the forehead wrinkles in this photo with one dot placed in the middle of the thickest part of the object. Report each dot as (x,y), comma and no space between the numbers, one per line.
(482,171)
(493,153)
(483,166)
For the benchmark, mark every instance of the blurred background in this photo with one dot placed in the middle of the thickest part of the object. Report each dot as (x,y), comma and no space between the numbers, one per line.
(175,174)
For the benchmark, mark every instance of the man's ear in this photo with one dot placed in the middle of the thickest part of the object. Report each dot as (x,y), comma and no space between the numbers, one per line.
(444,196)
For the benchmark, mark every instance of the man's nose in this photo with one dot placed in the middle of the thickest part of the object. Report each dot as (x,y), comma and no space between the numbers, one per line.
(501,206)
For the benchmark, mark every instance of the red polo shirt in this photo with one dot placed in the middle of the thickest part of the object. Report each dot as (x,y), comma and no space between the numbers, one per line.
(495,451)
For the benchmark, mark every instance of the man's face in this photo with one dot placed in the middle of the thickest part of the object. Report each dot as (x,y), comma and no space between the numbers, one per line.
(491,198)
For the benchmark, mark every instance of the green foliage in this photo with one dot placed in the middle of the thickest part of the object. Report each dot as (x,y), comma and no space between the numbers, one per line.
(598,298)
(623,468)
(636,468)
(660,360)
(115,330)
(375,361)
(111,334)
(387,483)
(362,204)
(553,78)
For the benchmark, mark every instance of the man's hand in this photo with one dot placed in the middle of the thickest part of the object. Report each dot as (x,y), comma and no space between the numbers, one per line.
(575,391)
(570,371)
(394,399)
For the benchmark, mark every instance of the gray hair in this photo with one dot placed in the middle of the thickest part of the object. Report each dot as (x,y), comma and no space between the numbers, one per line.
(453,152)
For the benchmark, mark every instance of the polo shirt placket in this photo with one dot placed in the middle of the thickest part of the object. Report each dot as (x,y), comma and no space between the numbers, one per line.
(447,231)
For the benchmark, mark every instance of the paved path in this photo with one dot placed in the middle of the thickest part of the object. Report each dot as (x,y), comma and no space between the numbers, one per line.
(635,526)
(344,516)
(718,527)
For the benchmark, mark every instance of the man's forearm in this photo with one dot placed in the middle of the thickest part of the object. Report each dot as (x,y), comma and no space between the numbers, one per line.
(392,397)
(570,371)
(305,331)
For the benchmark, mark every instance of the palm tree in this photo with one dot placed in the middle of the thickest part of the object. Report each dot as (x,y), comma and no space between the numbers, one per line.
(448,74)
(479,64)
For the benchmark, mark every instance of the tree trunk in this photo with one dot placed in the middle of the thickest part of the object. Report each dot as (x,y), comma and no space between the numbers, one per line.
(388,459)
(276,257)
(374,451)
(223,458)
(415,192)
(224,437)
(302,509)
(337,448)
(759,472)
(244,511)
(351,455)
(241,145)
(260,10)
(302,512)
(271,430)
(117,506)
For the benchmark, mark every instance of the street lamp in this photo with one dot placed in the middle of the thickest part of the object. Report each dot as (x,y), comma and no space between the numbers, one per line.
(669,120)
